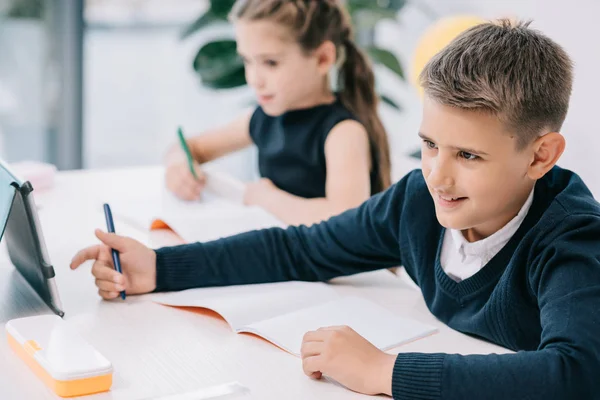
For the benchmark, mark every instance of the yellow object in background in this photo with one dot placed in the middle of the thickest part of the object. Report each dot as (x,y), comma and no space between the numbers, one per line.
(435,39)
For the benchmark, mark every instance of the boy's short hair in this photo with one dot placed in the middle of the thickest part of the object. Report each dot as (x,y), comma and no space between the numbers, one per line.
(507,69)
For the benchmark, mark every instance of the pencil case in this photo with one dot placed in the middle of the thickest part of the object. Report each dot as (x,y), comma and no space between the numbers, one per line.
(59,355)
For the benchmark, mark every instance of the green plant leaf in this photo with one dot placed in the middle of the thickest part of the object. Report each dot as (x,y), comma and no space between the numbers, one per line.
(375,5)
(367,13)
(390,102)
(387,59)
(415,154)
(218,64)
(203,21)
(234,79)
(221,8)
(217,12)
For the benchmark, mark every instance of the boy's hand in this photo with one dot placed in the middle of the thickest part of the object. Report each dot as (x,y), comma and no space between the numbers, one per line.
(182,183)
(137,261)
(342,354)
(257,193)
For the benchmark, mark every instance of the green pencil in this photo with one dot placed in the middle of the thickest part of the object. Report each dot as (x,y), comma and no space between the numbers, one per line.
(187,152)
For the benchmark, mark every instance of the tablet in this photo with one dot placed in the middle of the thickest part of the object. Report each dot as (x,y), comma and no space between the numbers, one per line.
(20,228)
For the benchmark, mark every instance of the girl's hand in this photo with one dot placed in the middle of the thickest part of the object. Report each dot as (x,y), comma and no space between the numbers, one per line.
(342,354)
(182,183)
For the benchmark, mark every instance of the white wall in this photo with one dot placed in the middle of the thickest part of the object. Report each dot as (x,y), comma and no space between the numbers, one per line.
(139,86)
(575,26)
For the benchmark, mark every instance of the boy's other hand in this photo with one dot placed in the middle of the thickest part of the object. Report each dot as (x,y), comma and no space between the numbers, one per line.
(182,183)
(342,354)
(138,263)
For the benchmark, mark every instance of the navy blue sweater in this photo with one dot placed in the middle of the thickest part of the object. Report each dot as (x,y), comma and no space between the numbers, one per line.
(539,296)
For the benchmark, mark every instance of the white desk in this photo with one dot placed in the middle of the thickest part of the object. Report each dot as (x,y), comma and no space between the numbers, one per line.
(156,350)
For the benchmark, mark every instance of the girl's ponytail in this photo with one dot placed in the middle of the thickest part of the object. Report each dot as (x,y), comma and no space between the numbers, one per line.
(357,92)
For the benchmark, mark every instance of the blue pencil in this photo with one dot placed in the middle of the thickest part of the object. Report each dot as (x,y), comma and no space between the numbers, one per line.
(110,225)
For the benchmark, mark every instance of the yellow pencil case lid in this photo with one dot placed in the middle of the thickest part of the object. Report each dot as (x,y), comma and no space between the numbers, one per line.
(59,355)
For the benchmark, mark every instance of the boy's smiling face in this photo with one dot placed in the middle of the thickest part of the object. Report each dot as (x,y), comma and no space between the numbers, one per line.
(477,177)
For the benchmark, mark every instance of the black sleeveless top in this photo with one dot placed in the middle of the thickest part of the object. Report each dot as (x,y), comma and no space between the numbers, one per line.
(291,147)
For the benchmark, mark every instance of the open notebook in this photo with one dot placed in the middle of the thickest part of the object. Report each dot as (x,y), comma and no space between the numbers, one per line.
(220,212)
(283,312)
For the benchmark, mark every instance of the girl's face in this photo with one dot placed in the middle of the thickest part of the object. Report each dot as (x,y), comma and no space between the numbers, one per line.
(283,76)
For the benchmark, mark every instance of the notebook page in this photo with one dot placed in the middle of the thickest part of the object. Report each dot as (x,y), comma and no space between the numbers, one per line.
(220,221)
(246,304)
(377,324)
(218,214)
(140,209)
(224,185)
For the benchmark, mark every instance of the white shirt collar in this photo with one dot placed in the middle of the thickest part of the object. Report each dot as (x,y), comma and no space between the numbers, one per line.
(495,241)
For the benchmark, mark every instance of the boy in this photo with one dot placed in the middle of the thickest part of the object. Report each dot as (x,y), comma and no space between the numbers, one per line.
(503,244)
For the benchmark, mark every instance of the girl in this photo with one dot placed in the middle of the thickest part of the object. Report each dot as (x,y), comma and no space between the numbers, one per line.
(319,152)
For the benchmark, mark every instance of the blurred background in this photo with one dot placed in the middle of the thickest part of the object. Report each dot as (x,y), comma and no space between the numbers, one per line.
(105,83)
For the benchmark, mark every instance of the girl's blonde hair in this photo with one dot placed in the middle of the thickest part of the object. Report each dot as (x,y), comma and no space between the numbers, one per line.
(313,22)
